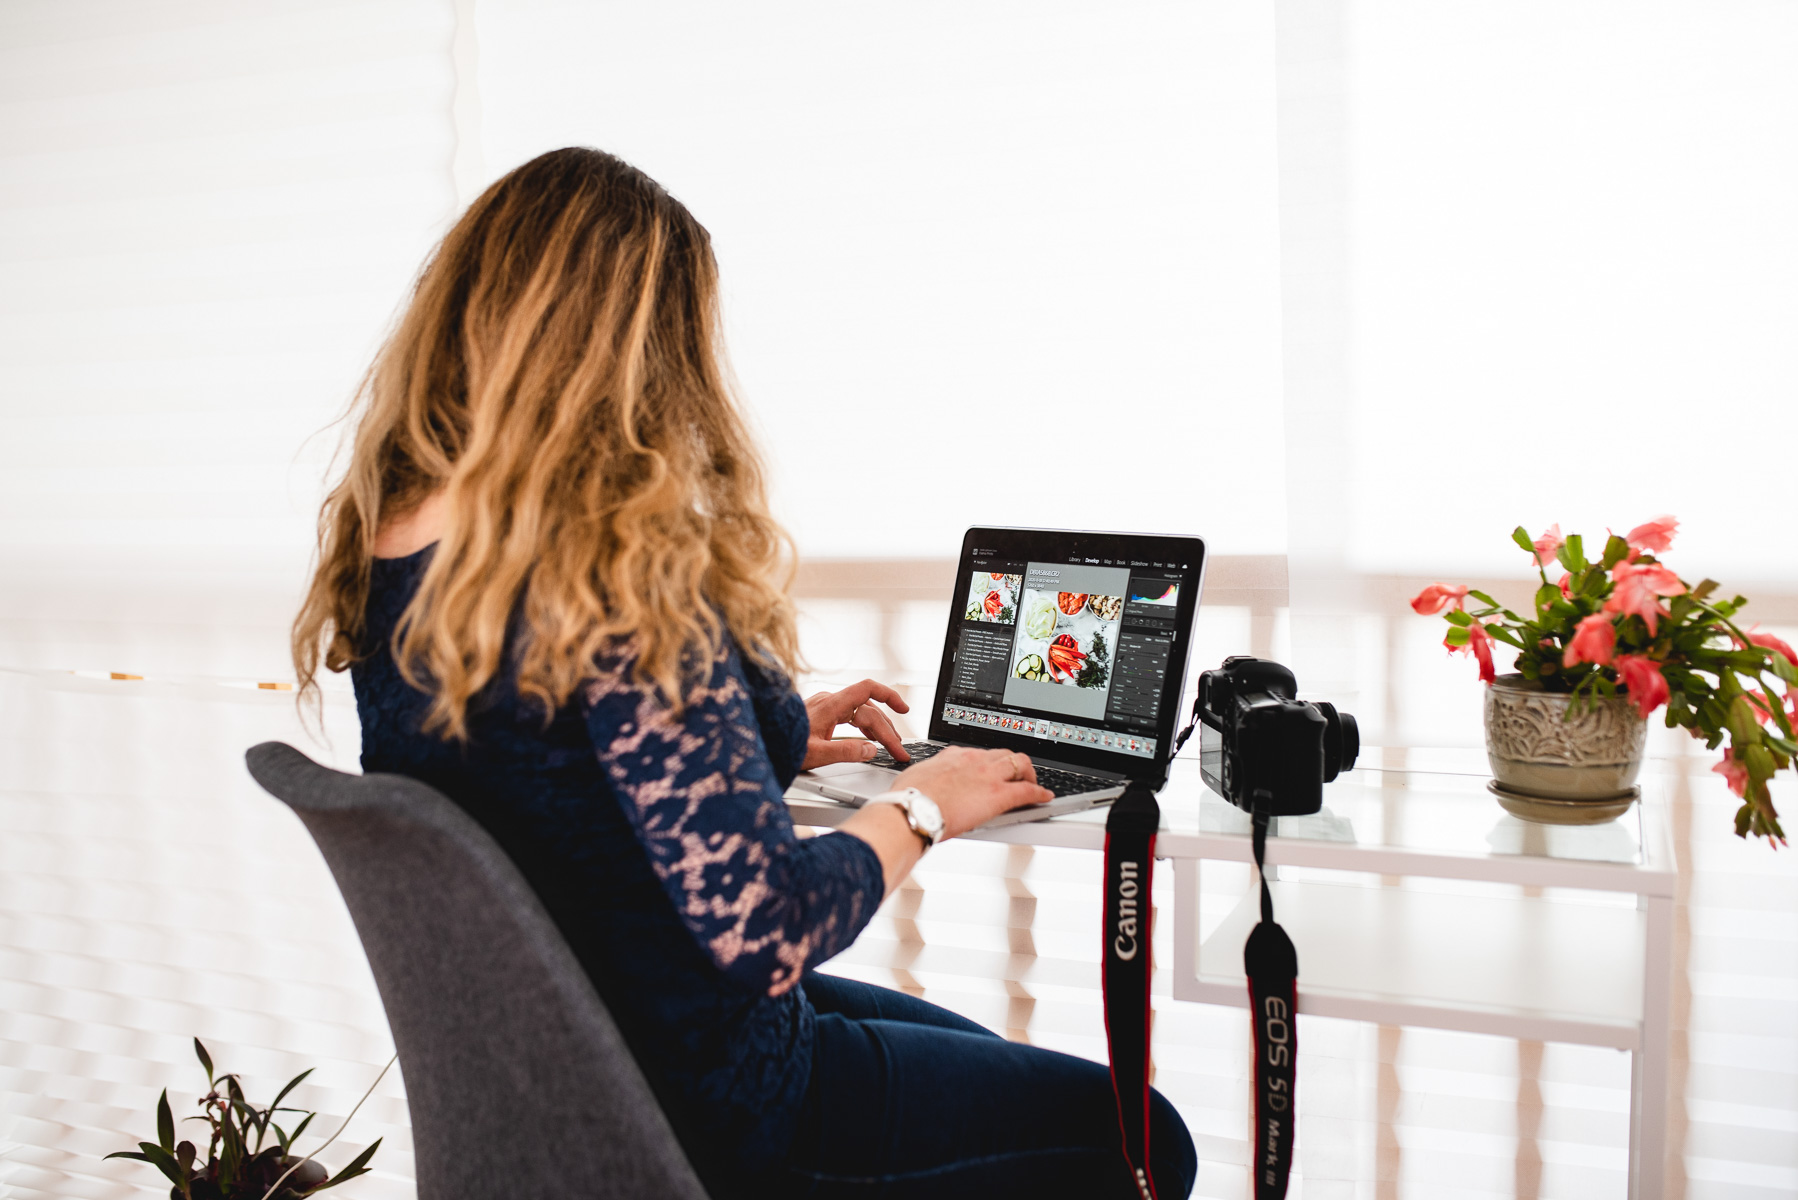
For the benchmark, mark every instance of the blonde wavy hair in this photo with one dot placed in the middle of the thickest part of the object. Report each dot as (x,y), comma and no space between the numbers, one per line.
(557,375)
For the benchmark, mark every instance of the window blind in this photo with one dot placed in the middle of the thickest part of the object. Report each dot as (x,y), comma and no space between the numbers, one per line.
(208,211)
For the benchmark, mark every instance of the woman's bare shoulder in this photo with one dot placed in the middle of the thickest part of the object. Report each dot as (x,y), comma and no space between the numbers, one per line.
(413,531)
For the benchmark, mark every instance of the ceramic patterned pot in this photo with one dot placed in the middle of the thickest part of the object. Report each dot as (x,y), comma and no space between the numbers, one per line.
(1536,750)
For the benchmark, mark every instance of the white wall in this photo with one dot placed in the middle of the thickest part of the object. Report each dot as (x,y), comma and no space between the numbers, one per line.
(991,262)
(208,211)
(1575,277)
(1002,262)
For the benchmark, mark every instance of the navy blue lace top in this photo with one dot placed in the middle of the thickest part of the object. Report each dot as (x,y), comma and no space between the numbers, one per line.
(663,850)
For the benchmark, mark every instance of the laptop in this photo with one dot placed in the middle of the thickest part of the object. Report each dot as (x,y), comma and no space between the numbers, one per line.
(1071,647)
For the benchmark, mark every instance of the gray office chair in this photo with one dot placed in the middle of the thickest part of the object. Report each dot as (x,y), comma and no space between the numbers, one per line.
(518,1081)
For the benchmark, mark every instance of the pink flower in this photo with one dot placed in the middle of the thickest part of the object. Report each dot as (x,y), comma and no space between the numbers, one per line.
(1734,772)
(1433,598)
(1653,537)
(1592,642)
(1642,678)
(1547,544)
(1636,588)
(1566,590)
(1479,643)
(1773,643)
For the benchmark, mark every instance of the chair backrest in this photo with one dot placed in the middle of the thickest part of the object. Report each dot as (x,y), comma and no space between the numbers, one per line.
(519,1082)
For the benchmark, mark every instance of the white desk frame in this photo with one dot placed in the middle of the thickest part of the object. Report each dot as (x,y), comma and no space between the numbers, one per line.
(1379,958)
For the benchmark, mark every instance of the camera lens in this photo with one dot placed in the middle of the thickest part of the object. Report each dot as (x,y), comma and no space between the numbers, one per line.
(1342,740)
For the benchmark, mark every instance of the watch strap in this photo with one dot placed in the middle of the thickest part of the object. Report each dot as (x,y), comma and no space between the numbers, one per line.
(903,800)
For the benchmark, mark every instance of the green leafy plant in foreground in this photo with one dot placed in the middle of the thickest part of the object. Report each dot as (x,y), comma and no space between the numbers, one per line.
(1624,624)
(241,1162)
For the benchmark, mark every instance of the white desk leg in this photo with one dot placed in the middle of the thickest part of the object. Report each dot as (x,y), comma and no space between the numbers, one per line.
(1648,1067)
(1186,925)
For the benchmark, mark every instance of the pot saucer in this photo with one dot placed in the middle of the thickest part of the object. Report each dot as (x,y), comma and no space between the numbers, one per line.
(1545,811)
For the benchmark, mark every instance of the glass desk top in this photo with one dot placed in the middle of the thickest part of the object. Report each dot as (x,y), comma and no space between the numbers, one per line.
(1415,810)
(1380,820)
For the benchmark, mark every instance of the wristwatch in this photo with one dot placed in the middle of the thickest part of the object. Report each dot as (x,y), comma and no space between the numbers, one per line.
(921,813)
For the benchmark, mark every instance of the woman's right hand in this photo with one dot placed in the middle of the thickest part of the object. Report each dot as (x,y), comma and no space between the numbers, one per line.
(971,786)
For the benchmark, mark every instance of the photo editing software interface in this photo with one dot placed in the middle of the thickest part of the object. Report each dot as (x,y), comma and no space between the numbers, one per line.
(1073,652)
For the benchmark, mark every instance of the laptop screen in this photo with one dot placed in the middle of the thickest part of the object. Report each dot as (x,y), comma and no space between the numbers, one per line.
(1071,646)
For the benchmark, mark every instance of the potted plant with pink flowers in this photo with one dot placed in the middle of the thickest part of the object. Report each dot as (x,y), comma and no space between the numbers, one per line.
(1611,641)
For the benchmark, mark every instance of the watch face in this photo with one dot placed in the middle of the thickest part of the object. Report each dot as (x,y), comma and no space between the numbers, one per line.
(928,816)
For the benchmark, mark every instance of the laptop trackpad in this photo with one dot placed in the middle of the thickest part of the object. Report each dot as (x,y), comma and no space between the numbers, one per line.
(856,779)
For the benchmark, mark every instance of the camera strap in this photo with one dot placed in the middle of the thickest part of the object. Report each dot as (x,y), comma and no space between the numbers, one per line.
(1129,966)
(1272,965)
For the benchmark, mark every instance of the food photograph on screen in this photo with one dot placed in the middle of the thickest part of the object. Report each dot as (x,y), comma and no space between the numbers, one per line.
(1066,638)
(992,596)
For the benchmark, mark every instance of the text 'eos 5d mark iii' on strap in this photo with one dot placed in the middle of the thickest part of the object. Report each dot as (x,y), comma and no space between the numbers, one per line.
(1272,966)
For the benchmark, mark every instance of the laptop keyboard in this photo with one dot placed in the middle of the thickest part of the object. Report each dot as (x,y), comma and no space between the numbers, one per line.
(919,751)
(1062,783)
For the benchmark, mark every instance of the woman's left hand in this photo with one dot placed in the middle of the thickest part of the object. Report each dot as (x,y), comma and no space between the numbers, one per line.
(851,707)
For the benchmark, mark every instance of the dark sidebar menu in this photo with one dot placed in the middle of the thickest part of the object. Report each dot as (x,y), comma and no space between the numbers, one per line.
(1145,642)
(980,663)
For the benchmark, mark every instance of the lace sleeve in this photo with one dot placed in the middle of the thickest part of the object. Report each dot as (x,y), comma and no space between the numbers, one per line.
(702,794)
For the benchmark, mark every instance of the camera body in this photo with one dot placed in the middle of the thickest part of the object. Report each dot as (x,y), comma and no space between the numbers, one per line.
(1262,747)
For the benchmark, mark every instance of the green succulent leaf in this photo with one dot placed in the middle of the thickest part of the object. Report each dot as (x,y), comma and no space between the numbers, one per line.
(1505,635)
(1759,762)
(165,1162)
(1457,636)
(357,1166)
(165,1123)
(1521,536)
(1615,551)
(1781,722)
(230,1156)
(291,1084)
(1455,616)
(1572,554)
(1744,730)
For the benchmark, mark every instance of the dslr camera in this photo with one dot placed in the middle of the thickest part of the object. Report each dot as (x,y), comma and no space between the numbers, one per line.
(1262,748)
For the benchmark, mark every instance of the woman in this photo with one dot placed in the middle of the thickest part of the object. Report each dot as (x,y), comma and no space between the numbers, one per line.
(552,570)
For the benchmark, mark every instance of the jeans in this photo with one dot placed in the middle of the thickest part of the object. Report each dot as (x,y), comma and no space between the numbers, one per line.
(909,1100)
